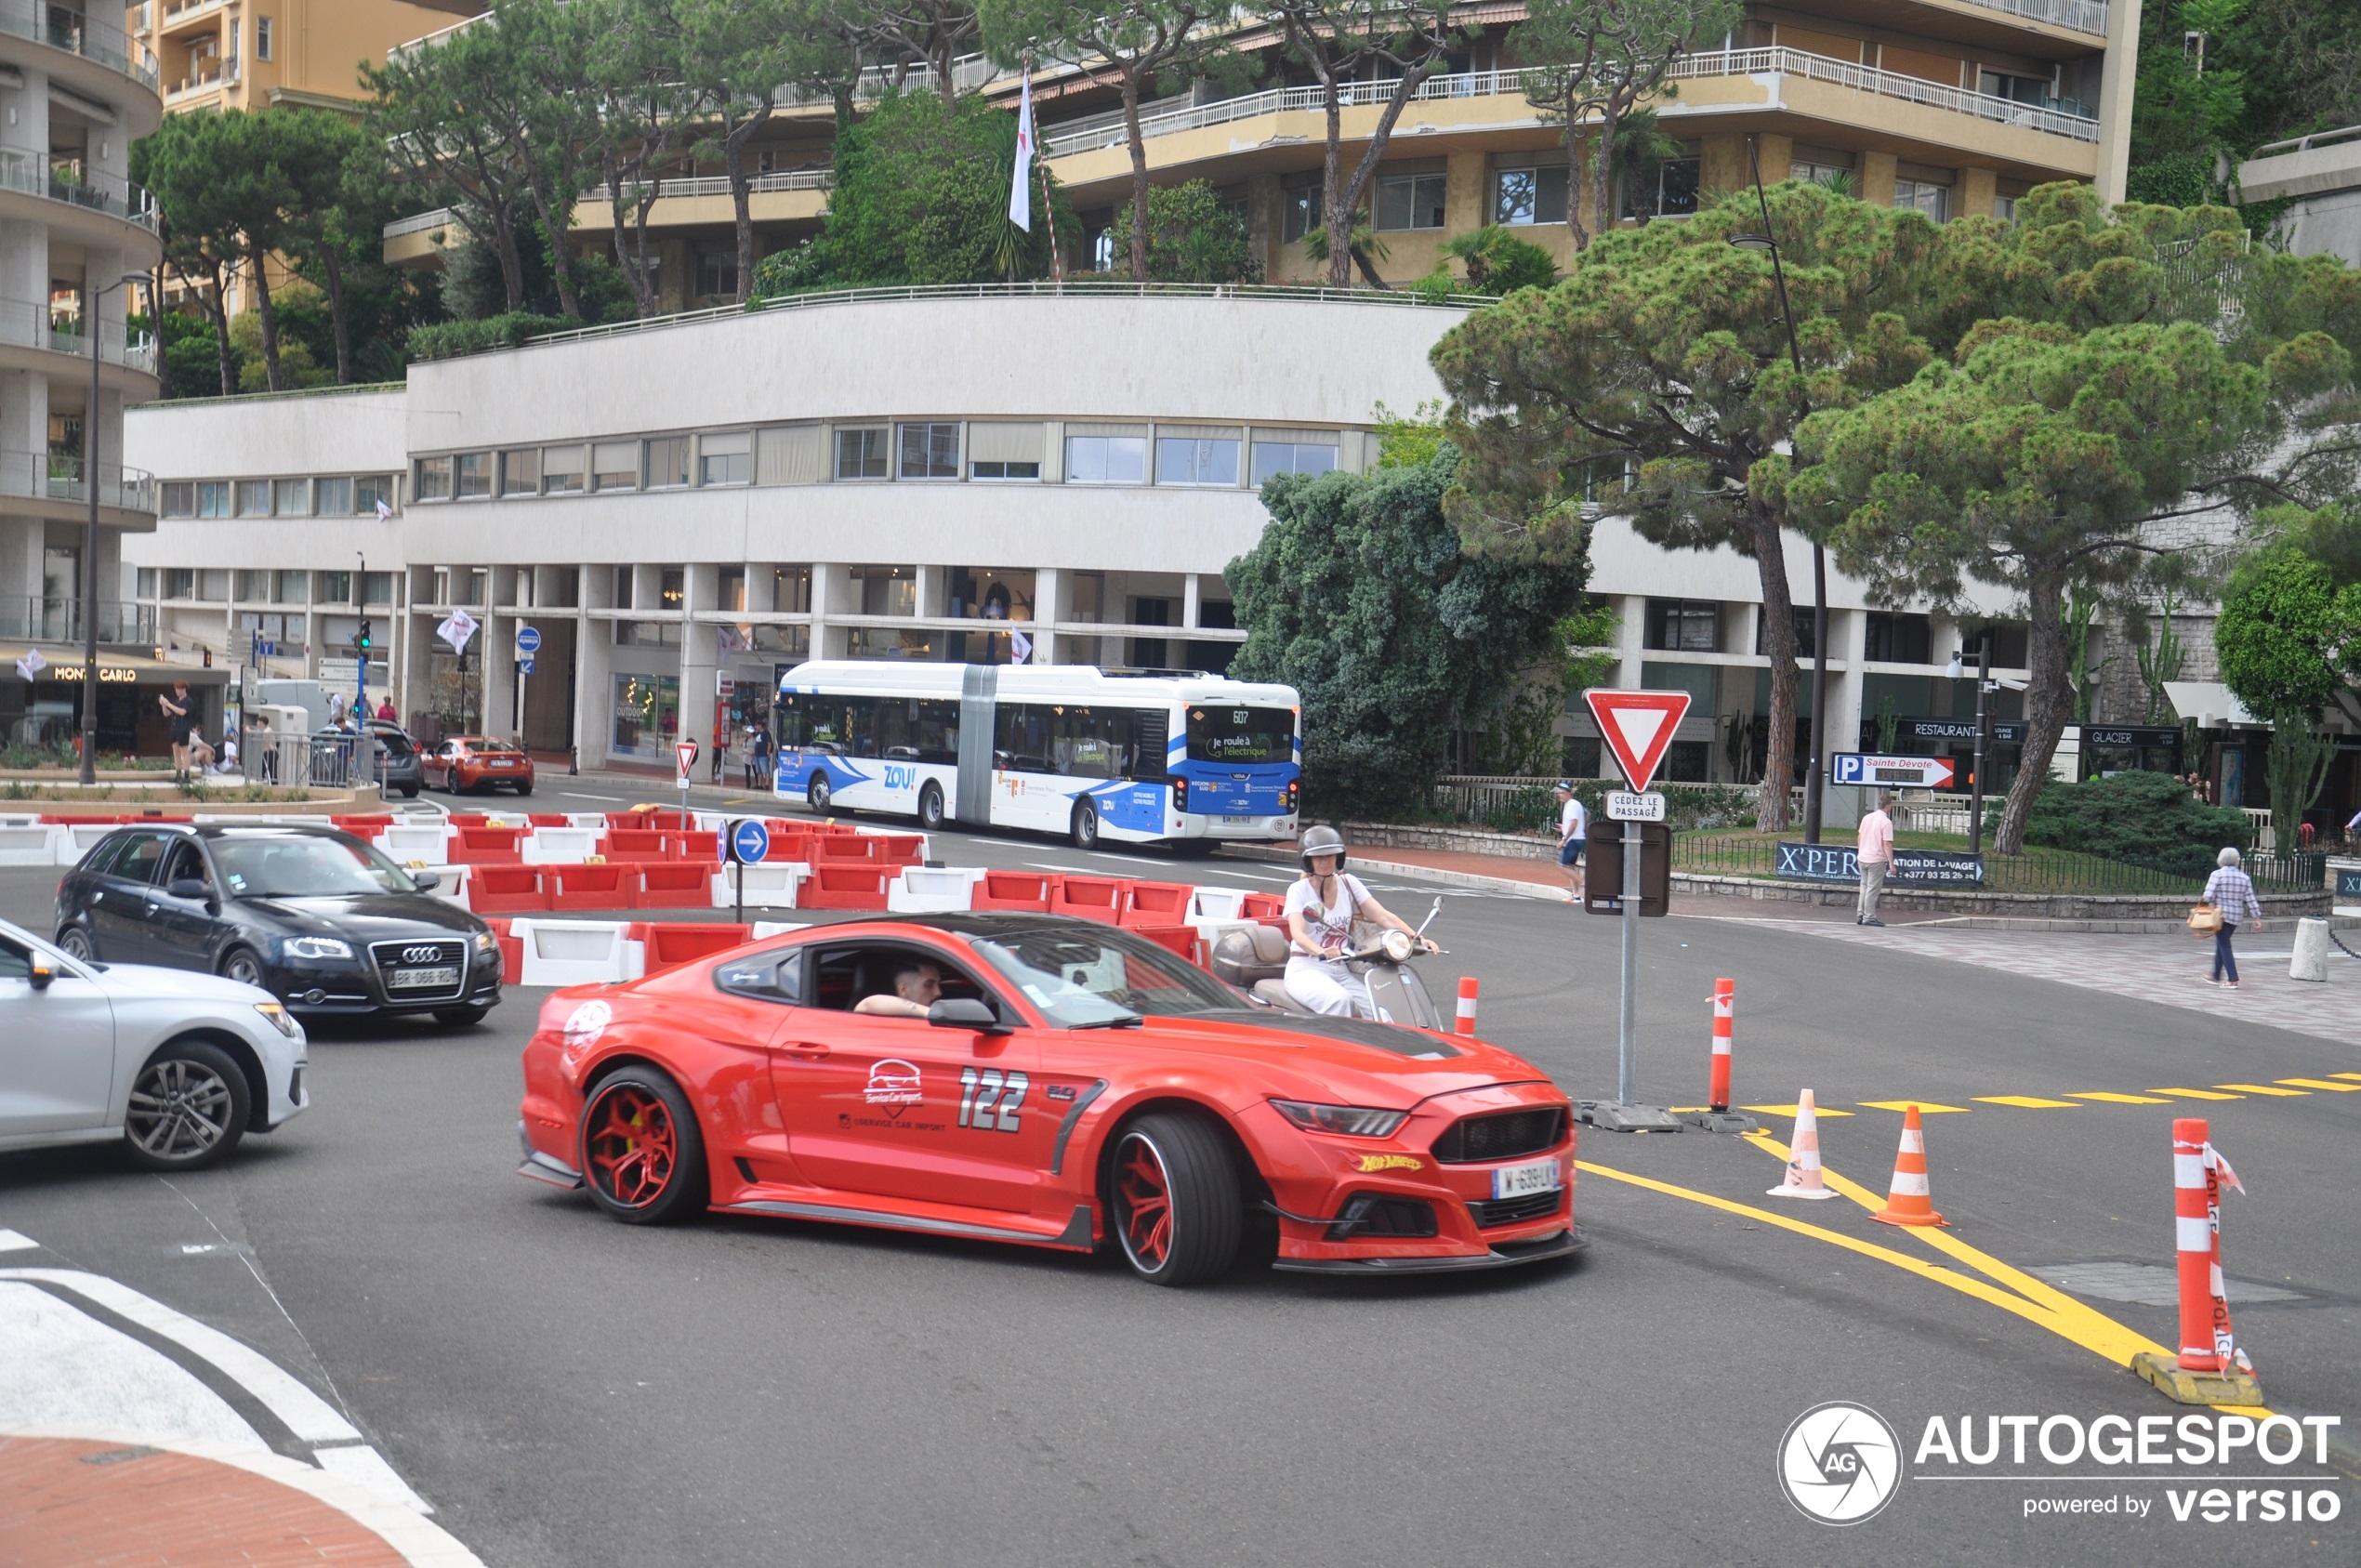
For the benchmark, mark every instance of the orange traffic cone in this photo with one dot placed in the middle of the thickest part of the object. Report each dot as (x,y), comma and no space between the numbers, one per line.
(1803,1158)
(1909,1201)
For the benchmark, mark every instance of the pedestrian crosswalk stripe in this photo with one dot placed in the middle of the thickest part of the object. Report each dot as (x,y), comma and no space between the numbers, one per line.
(2261,1088)
(2117,1099)
(1926,1107)
(1790,1110)
(2320,1084)
(2028,1101)
(2196,1094)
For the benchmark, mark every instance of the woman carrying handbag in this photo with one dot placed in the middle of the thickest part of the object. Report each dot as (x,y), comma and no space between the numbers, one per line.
(2229,897)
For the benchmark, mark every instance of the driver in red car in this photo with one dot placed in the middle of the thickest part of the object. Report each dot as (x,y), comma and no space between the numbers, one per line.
(915,989)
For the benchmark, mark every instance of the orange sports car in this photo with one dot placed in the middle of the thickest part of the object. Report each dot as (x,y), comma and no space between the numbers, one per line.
(464,764)
(1049,1081)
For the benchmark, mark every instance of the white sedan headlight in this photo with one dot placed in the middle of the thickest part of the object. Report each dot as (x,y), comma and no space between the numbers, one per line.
(317,947)
(280,1020)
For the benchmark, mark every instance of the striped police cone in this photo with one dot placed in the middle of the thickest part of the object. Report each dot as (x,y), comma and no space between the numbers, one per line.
(1717,1116)
(1803,1179)
(2210,1368)
(1465,1023)
(1908,1199)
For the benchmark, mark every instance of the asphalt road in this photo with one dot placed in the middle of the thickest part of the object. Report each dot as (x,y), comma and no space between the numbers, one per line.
(575,1393)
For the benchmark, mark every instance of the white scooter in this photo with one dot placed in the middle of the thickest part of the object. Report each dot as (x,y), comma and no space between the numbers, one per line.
(1255,960)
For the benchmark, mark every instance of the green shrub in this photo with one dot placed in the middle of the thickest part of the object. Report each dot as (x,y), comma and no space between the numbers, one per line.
(2148,818)
(448,341)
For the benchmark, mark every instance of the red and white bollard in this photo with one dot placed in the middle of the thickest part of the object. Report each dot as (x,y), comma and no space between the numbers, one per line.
(1466,1021)
(1725,1003)
(2198,1171)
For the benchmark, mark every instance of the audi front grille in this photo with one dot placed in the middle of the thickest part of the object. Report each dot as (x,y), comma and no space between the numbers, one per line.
(392,958)
(1501,1135)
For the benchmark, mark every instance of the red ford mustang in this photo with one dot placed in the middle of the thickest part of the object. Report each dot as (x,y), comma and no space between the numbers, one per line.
(1039,1079)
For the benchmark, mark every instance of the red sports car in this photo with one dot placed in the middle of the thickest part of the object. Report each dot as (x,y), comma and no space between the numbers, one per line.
(467,763)
(1044,1080)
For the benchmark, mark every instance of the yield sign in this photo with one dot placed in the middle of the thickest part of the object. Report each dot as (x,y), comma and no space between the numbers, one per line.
(1637,726)
(685,753)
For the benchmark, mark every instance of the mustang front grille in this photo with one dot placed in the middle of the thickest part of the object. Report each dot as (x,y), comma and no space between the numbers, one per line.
(1501,1135)
(1508,1211)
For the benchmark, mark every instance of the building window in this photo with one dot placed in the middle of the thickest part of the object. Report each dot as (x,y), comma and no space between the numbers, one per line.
(293,497)
(615,465)
(377,588)
(647,634)
(672,588)
(861,455)
(1925,195)
(1299,207)
(180,498)
(254,497)
(434,478)
(1684,625)
(146,588)
(930,452)
(726,459)
(475,475)
(1291,457)
(2005,208)
(334,497)
(213,584)
(291,587)
(1106,459)
(718,272)
(1188,460)
(520,473)
(1665,190)
(262,37)
(561,470)
(1803,617)
(252,587)
(179,582)
(213,499)
(647,714)
(1410,201)
(2031,90)
(1898,639)
(667,462)
(887,590)
(1000,470)
(791,589)
(371,491)
(733,584)
(332,588)
(1535,195)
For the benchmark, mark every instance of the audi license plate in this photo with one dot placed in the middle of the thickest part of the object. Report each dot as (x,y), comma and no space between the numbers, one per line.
(420,980)
(1516,1181)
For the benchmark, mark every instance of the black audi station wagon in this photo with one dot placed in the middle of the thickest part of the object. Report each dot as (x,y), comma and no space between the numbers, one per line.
(311,914)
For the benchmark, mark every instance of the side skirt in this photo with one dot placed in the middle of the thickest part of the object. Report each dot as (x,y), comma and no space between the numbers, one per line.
(1077,1236)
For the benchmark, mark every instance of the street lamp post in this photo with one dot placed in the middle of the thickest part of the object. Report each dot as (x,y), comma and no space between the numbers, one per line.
(90,540)
(1811,777)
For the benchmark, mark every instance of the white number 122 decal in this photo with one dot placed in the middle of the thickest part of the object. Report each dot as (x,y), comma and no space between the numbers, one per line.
(988,1099)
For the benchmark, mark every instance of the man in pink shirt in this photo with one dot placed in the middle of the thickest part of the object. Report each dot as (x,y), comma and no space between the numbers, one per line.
(1876,855)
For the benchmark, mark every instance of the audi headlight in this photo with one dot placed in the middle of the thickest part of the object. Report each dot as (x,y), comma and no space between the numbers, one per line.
(317,947)
(279,1020)
(486,941)
(1347,1121)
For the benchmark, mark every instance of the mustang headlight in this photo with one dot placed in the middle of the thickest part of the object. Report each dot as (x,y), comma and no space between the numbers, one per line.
(1348,1121)
(279,1020)
(317,947)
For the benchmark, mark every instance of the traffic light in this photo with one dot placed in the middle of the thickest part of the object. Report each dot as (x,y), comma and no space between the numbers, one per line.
(361,642)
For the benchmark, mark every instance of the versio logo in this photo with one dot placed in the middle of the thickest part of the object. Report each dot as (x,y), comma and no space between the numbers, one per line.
(1840,1463)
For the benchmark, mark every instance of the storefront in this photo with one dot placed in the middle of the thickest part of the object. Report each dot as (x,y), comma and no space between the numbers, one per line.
(646,719)
(2104,749)
(44,715)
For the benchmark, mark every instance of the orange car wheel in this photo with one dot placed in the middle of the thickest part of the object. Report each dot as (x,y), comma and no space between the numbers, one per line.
(1174,1200)
(642,1150)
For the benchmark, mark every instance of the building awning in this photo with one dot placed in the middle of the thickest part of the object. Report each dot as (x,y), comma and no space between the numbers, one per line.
(2210,704)
(115,669)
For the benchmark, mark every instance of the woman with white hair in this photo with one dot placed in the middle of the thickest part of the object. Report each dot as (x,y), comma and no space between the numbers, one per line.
(2231,890)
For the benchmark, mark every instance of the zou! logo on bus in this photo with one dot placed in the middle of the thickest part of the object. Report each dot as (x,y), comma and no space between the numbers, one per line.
(901,775)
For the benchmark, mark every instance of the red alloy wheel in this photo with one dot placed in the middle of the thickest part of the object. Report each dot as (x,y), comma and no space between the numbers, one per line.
(632,1144)
(1145,1191)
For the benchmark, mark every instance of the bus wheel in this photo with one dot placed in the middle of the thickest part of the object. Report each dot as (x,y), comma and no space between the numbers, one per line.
(930,808)
(1085,826)
(815,793)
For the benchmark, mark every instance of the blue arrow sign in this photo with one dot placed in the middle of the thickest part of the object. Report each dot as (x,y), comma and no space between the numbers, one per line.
(528,641)
(524,667)
(750,841)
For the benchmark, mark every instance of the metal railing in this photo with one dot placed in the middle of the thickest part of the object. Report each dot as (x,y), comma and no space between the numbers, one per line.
(63,181)
(92,40)
(42,619)
(1885,84)
(419,223)
(28,325)
(2038,871)
(1948,813)
(714,185)
(49,477)
(2082,16)
(2306,143)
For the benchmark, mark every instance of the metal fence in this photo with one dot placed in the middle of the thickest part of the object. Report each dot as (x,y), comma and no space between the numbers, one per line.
(301,761)
(1948,813)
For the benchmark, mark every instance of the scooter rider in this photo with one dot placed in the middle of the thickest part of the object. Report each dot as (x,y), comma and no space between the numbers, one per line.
(1321,906)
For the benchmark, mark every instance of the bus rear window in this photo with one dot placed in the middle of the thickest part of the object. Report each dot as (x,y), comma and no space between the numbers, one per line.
(1218,732)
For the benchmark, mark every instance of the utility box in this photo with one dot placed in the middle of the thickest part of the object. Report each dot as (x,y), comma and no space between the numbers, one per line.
(1603,870)
(308,695)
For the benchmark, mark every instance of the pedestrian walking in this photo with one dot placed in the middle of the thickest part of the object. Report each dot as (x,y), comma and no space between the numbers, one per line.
(721,748)
(2230,890)
(1574,835)
(1875,851)
(176,714)
(2353,828)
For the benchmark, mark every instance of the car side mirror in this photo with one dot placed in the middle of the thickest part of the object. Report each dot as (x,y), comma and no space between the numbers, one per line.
(965,1012)
(189,888)
(427,881)
(40,975)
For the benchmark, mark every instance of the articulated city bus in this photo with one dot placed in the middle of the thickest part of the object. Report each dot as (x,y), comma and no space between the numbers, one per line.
(1057,748)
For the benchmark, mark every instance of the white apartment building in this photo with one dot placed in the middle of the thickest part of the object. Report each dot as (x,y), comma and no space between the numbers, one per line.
(684,510)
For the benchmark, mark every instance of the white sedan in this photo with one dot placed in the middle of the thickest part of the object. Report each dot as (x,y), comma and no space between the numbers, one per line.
(178,1065)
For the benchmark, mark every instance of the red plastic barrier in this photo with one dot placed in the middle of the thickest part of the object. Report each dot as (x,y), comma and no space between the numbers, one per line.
(362,827)
(1091,898)
(787,847)
(1181,938)
(639,844)
(591,887)
(671,885)
(898,848)
(691,845)
(834,884)
(469,819)
(670,944)
(547,819)
(508,890)
(512,960)
(843,848)
(1013,889)
(486,845)
(1263,906)
(1157,904)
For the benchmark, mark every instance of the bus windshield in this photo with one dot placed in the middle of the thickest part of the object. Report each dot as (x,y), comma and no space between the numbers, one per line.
(1223,733)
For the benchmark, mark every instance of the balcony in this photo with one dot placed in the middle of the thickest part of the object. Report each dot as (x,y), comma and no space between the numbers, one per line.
(28,325)
(63,181)
(701,185)
(43,476)
(2055,121)
(205,76)
(42,619)
(59,29)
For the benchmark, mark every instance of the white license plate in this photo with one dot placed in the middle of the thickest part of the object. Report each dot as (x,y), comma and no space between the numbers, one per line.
(504,764)
(1516,1181)
(1245,818)
(419,980)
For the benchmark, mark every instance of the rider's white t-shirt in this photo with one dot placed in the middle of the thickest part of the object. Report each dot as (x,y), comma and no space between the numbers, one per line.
(1334,924)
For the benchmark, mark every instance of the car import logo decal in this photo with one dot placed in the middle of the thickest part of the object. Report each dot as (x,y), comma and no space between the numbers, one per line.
(1840,1463)
(894,1085)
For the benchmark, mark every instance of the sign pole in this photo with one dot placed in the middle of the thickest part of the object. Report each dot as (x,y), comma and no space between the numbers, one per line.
(1626,1078)
(1637,727)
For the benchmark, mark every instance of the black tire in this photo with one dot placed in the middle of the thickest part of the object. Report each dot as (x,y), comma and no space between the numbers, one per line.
(76,943)
(524,789)
(642,1186)
(1085,826)
(460,1018)
(931,806)
(241,965)
(188,1108)
(816,793)
(411,793)
(1201,1197)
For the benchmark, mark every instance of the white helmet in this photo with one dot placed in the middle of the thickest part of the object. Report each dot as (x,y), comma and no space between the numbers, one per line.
(1321,841)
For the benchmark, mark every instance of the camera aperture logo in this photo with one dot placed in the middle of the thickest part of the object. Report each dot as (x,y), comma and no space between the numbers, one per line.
(1840,1463)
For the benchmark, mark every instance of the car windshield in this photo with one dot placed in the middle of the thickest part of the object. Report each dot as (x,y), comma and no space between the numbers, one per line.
(1093,979)
(299,866)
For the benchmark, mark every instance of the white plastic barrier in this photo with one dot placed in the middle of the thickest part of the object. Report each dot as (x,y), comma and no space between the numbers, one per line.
(79,840)
(573,952)
(452,884)
(932,889)
(560,845)
(595,821)
(407,842)
(1217,903)
(770,885)
(766,929)
(33,843)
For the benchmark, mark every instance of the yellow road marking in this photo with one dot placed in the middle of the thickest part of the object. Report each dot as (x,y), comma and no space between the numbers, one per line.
(2029,1101)
(1789,1110)
(2197,1094)
(2119,1098)
(2345,1074)
(1926,1107)
(2320,1084)
(2261,1088)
